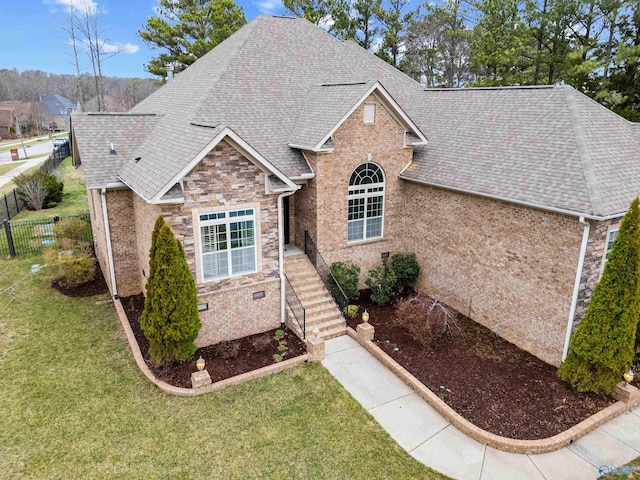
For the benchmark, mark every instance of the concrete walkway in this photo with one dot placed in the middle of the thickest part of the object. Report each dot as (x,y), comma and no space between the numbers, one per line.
(432,440)
(25,165)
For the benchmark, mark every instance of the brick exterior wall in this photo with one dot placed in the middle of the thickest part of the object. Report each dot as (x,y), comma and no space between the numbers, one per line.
(321,205)
(145,215)
(510,268)
(99,236)
(123,241)
(593,263)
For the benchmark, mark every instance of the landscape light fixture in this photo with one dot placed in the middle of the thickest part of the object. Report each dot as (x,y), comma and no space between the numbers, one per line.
(628,377)
(316,331)
(200,363)
(365,316)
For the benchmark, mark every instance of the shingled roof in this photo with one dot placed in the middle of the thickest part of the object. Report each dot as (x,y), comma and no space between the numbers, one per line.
(550,147)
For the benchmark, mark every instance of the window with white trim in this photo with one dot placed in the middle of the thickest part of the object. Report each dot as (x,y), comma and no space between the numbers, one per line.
(366,203)
(613,234)
(227,243)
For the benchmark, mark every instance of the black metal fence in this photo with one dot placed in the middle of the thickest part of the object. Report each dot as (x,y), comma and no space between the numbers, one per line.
(296,307)
(11,203)
(327,277)
(18,238)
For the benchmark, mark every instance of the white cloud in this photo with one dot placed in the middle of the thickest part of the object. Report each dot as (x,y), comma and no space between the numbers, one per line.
(77,5)
(326,22)
(269,7)
(127,48)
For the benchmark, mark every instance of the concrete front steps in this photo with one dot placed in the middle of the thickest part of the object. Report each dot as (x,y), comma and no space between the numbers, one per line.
(320,309)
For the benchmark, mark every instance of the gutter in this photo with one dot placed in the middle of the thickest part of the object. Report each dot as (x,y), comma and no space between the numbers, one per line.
(281,253)
(516,202)
(107,233)
(576,286)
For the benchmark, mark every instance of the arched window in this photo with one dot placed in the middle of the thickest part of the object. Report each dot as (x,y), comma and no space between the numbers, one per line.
(366,203)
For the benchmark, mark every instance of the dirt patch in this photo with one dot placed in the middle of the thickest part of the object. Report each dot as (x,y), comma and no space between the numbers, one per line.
(489,381)
(223,360)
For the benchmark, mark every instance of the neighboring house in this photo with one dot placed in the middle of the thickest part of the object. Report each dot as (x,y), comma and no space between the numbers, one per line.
(6,123)
(508,196)
(58,110)
(27,113)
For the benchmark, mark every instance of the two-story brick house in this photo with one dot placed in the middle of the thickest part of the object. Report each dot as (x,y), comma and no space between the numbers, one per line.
(508,196)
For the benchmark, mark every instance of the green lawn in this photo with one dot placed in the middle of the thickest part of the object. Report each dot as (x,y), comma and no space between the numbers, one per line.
(7,167)
(630,470)
(74,201)
(74,405)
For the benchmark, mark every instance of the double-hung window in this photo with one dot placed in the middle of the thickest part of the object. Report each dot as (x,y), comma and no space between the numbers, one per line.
(613,234)
(366,203)
(228,244)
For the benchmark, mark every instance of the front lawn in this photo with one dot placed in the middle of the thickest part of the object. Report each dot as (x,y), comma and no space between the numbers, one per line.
(7,167)
(74,405)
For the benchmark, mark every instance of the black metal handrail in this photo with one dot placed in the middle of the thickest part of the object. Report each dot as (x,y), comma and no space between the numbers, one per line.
(296,307)
(327,277)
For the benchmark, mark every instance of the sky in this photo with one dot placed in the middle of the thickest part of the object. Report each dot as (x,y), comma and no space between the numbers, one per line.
(33,36)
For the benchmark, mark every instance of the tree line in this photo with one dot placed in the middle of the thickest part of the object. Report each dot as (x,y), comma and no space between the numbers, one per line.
(120,94)
(593,45)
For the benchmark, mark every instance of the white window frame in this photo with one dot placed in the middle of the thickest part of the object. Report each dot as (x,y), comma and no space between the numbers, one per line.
(369,113)
(367,192)
(607,250)
(226,218)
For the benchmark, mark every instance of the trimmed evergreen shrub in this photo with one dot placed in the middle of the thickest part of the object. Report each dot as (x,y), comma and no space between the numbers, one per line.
(347,276)
(170,318)
(73,266)
(406,269)
(382,281)
(602,347)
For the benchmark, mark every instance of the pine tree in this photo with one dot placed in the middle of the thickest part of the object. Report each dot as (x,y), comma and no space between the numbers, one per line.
(602,347)
(170,318)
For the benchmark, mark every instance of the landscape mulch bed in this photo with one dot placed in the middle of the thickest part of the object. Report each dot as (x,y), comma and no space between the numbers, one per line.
(487,380)
(97,286)
(223,360)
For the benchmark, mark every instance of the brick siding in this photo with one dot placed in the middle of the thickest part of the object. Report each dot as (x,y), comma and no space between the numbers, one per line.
(510,268)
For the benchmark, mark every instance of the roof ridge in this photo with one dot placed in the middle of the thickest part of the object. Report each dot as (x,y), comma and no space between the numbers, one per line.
(583,153)
(248,28)
(497,87)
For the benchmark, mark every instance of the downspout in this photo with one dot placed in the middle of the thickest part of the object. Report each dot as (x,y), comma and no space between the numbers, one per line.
(107,233)
(281,254)
(576,286)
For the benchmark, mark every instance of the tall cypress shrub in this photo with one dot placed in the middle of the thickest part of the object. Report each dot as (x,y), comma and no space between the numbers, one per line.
(602,347)
(170,318)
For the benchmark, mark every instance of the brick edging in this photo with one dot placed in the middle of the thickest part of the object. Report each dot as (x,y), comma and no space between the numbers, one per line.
(543,445)
(192,392)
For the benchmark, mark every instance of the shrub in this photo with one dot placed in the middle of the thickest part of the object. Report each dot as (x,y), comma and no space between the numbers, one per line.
(406,269)
(73,267)
(54,188)
(382,281)
(70,232)
(425,318)
(39,190)
(170,319)
(602,347)
(351,310)
(31,190)
(347,277)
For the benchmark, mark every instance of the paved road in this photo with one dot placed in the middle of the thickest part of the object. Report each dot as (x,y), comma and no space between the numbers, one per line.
(432,440)
(44,147)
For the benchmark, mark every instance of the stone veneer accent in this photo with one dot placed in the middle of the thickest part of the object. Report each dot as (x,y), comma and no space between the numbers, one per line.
(321,205)
(510,268)
(593,263)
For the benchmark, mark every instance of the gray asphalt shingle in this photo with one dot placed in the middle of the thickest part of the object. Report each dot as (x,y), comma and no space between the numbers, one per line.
(546,146)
